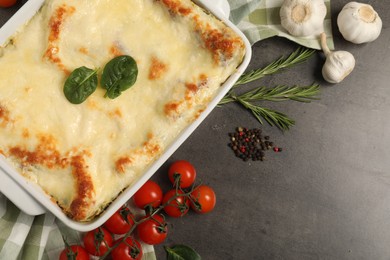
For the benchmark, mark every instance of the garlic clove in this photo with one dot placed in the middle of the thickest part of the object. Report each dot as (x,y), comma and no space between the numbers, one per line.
(338,64)
(303,18)
(359,23)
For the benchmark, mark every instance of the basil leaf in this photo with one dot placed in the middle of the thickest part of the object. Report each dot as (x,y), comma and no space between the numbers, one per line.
(181,252)
(118,75)
(80,84)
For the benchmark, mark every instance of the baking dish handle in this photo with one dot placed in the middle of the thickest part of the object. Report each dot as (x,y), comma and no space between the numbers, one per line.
(220,8)
(19,196)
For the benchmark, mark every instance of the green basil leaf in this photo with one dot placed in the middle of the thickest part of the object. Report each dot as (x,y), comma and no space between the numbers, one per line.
(118,75)
(80,84)
(181,252)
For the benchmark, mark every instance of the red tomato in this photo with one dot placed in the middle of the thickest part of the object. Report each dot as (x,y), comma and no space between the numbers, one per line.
(98,241)
(153,231)
(186,171)
(7,3)
(75,252)
(177,207)
(203,199)
(149,194)
(121,222)
(130,249)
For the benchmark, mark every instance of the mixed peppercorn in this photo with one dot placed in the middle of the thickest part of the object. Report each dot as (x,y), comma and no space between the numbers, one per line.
(250,144)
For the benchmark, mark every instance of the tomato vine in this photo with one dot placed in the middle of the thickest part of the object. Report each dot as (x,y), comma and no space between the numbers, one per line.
(152,228)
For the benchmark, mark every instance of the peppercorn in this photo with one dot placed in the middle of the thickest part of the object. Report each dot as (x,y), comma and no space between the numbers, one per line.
(277,149)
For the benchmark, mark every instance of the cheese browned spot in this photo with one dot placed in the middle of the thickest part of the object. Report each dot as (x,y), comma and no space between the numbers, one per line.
(176,7)
(157,69)
(121,163)
(203,80)
(171,109)
(220,46)
(84,188)
(55,24)
(4,116)
(25,133)
(83,50)
(115,113)
(192,87)
(115,50)
(151,149)
(44,154)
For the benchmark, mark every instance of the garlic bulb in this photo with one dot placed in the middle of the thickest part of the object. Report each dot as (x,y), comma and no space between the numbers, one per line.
(303,17)
(359,23)
(338,64)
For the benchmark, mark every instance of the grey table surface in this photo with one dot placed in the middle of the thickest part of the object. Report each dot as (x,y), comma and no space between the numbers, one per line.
(327,195)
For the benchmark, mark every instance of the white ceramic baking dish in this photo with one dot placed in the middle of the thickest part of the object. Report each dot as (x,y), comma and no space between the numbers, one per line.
(30,198)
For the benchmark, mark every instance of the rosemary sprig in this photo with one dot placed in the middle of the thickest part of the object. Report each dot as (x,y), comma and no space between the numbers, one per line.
(298,56)
(278,93)
(274,118)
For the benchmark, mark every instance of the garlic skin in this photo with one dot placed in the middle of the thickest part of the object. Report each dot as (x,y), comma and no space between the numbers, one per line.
(359,23)
(303,18)
(338,64)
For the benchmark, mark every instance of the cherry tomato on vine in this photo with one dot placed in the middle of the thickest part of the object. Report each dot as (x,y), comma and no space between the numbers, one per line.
(177,207)
(120,222)
(153,231)
(7,3)
(186,171)
(203,199)
(75,252)
(130,249)
(149,194)
(98,241)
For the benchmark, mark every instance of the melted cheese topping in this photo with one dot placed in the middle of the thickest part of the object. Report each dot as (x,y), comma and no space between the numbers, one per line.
(85,155)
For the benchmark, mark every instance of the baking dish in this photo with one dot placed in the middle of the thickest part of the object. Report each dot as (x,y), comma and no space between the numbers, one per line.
(30,198)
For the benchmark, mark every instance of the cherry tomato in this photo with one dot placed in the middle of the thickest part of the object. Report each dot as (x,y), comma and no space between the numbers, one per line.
(130,249)
(121,222)
(153,231)
(98,241)
(179,206)
(186,171)
(149,194)
(7,3)
(75,252)
(203,199)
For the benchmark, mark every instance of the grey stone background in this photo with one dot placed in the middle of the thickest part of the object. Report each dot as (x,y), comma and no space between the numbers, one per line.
(326,195)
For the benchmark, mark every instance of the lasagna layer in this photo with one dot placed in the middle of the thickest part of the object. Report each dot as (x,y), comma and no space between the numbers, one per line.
(84,155)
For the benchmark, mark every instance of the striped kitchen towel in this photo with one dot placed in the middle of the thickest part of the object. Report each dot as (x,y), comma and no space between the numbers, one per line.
(41,237)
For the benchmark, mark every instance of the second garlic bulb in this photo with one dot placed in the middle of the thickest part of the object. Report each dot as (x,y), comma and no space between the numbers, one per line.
(359,23)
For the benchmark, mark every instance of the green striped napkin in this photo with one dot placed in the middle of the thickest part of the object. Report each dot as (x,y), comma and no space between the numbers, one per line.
(28,237)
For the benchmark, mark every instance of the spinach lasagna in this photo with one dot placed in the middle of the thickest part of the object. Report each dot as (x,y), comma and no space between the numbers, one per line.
(84,155)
